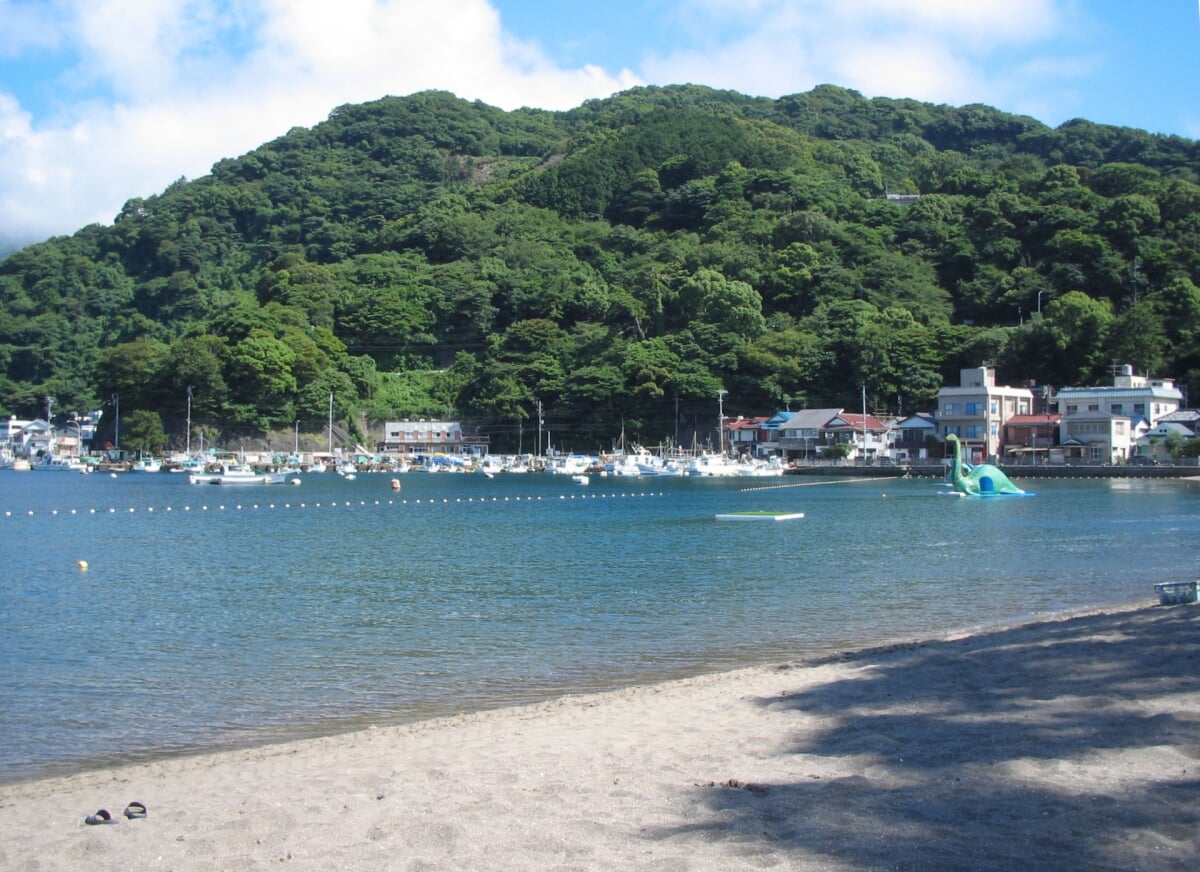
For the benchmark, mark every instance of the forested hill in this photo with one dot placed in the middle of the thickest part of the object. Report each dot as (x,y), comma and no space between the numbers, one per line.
(615,266)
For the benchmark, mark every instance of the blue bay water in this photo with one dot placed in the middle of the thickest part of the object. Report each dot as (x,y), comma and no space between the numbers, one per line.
(213,617)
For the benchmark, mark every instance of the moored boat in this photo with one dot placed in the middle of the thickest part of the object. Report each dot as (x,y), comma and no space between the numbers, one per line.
(235,473)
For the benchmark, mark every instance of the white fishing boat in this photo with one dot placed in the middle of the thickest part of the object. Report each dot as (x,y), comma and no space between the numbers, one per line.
(656,466)
(573,464)
(60,463)
(626,464)
(712,465)
(146,464)
(760,468)
(225,472)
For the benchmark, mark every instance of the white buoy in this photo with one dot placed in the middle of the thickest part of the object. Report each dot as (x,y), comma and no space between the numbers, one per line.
(83,565)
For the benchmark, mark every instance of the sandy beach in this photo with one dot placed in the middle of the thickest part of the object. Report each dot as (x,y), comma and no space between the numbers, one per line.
(1071,743)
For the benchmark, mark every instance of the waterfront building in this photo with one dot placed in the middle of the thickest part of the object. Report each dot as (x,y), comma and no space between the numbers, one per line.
(1104,424)
(429,437)
(866,434)
(742,435)
(976,411)
(801,436)
(912,437)
(1030,438)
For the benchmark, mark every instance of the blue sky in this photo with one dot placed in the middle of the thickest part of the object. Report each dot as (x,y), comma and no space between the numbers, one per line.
(105,100)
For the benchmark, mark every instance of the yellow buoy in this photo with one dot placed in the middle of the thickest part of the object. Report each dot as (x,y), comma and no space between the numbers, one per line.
(83,565)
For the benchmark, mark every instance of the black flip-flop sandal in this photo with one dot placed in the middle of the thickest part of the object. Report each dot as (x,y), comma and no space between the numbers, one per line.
(135,810)
(100,817)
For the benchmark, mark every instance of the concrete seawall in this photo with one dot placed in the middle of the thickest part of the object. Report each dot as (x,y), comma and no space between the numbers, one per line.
(938,471)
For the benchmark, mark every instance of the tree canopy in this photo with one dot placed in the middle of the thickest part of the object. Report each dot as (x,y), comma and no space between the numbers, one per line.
(618,264)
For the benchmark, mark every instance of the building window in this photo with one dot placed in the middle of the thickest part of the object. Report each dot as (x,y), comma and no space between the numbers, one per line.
(950,409)
(1115,408)
(974,431)
(1139,408)
(974,408)
(1093,407)
(995,407)
(1071,408)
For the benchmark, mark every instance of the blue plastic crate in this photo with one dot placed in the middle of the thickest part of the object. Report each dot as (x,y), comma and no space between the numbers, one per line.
(1173,593)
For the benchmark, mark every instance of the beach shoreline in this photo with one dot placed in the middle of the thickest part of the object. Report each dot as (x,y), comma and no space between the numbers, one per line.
(1067,741)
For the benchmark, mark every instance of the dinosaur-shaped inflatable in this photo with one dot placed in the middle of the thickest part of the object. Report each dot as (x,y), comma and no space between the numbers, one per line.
(983,480)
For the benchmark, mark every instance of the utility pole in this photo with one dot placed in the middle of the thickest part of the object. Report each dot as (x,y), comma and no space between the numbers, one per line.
(676,423)
(116,398)
(721,421)
(864,399)
(540,422)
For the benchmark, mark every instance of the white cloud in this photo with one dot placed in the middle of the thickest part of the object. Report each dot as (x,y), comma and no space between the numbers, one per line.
(182,101)
(943,51)
(175,85)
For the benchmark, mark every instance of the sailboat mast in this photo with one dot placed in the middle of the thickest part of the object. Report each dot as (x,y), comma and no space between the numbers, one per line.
(864,401)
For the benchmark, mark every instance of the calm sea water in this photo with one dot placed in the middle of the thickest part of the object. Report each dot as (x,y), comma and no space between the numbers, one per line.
(213,617)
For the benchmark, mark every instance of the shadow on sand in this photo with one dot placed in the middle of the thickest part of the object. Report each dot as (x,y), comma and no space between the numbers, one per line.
(1071,744)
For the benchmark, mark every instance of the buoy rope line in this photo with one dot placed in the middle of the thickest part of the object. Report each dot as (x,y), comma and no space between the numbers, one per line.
(331,504)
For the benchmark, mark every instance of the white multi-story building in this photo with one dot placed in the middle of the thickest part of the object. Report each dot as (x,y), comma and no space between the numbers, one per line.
(1106,422)
(977,410)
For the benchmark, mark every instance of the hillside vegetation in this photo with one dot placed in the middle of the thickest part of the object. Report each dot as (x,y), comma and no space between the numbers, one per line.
(616,265)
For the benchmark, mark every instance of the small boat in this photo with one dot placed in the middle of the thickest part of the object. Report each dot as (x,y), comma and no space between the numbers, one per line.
(235,473)
(760,516)
(146,464)
(59,463)
(580,479)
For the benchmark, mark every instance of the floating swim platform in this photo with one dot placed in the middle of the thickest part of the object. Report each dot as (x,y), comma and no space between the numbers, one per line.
(760,516)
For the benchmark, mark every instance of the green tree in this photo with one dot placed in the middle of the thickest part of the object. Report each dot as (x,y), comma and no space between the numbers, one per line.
(261,380)
(142,431)
(1078,327)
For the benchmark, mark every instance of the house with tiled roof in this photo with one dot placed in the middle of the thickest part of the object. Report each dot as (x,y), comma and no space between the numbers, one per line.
(1154,443)
(866,434)
(1189,418)
(801,436)
(912,436)
(1029,438)
(742,435)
